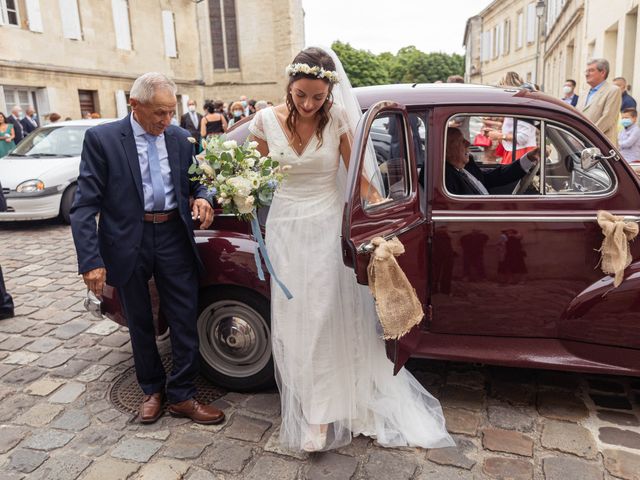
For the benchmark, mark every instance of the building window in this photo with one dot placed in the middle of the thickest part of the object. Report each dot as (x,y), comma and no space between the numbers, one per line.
(224,35)
(9,12)
(22,96)
(70,17)
(88,103)
(520,30)
(532,22)
(122,24)
(169,28)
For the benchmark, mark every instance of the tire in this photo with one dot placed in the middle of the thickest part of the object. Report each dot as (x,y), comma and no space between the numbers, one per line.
(66,202)
(234,329)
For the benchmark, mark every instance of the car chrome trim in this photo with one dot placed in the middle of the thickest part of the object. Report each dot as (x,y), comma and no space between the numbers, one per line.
(367,248)
(555,196)
(526,218)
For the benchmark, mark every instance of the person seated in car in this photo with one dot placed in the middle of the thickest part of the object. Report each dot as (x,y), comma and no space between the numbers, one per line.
(464,177)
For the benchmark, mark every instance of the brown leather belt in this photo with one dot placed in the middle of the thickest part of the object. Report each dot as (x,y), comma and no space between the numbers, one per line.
(161,217)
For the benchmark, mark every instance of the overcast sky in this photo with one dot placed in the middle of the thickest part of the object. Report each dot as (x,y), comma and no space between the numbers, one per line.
(379,26)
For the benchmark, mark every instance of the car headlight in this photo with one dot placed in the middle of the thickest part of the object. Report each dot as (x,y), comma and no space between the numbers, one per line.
(30,186)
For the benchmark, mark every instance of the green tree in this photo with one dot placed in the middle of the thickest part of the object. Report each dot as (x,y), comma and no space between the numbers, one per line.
(409,65)
(363,67)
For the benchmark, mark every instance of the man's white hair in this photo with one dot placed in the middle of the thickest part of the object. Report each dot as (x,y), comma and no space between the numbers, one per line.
(148,84)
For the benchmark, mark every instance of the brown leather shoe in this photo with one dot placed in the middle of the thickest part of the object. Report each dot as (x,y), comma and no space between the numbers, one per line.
(196,411)
(150,408)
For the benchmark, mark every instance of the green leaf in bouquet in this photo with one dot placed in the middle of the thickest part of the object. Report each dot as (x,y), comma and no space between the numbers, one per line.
(239,155)
(225,157)
(274,163)
(267,163)
(192,169)
(265,196)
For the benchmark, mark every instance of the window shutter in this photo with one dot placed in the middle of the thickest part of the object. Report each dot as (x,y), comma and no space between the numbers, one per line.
(120,9)
(70,19)
(184,100)
(34,15)
(169,28)
(520,29)
(531,22)
(121,104)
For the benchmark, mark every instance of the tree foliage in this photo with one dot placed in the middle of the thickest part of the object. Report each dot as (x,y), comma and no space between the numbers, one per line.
(409,65)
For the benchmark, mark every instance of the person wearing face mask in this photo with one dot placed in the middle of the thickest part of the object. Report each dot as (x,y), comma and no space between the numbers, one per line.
(191,120)
(14,119)
(629,136)
(237,113)
(569,93)
(244,101)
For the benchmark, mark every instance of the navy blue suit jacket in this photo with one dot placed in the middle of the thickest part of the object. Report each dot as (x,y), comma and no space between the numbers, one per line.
(110,183)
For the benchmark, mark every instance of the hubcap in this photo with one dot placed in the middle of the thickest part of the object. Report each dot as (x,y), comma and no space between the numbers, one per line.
(234,338)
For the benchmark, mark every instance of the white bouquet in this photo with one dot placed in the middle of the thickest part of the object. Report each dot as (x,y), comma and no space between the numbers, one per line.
(238,176)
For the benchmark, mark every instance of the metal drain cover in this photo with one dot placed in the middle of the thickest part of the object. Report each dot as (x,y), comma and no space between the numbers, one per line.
(126,395)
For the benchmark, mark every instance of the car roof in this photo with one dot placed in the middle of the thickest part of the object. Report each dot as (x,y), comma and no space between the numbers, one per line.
(457,94)
(80,123)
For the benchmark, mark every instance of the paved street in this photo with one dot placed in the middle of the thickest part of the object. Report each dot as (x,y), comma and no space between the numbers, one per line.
(58,363)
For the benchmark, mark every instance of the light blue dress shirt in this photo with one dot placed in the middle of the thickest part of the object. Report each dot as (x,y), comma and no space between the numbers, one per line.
(593,91)
(142,145)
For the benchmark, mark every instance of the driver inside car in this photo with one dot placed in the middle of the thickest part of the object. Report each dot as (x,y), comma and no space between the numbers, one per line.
(464,177)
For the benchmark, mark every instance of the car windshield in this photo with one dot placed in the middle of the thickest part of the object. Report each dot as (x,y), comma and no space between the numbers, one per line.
(63,141)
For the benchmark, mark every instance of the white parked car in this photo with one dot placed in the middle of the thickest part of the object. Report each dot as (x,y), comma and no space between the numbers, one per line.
(39,176)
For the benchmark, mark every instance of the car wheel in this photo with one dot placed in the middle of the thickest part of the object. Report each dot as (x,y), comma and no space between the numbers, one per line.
(66,202)
(235,340)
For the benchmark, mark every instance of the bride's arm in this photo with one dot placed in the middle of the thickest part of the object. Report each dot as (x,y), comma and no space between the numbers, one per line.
(367,191)
(262,147)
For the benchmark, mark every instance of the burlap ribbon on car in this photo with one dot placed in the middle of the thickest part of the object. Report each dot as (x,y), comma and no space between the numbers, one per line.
(397,303)
(614,252)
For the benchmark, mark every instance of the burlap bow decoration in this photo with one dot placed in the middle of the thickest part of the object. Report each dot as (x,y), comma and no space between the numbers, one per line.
(397,304)
(614,252)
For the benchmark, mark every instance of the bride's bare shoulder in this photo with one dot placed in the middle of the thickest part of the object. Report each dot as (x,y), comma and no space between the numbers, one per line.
(281,111)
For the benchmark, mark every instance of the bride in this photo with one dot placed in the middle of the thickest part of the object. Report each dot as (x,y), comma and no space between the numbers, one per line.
(334,378)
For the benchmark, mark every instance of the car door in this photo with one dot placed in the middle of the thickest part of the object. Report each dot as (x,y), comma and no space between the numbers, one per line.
(520,265)
(385,134)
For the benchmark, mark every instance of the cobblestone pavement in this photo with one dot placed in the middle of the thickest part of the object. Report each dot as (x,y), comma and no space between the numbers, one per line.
(57,364)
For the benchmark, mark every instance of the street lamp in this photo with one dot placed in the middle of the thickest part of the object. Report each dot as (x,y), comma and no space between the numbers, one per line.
(540,9)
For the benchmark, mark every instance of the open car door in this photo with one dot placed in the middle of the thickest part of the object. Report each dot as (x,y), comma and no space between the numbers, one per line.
(384,142)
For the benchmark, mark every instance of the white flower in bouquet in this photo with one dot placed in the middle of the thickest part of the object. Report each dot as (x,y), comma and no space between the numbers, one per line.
(250,162)
(241,185)
(231,144)
(206,168)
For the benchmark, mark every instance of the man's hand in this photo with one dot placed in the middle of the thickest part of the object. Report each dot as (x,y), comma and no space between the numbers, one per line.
(534,155)
(95,279)
(202,210)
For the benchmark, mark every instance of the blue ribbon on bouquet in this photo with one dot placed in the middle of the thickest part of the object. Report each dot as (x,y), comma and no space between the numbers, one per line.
(261,249)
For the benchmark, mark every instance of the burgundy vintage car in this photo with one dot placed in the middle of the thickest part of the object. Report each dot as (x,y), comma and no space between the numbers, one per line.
(509,278)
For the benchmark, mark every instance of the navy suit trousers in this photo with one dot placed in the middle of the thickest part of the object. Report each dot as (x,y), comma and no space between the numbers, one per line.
(165,254)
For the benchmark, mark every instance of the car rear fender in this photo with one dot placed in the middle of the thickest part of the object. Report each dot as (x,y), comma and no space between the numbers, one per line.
(604,314)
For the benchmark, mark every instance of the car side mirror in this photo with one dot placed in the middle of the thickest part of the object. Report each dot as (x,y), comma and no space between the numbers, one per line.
(590,157)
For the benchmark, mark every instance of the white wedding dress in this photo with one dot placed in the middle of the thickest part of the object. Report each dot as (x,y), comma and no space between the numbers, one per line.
(331,367)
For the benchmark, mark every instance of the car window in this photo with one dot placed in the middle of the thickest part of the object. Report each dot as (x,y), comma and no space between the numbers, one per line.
(483,155)
(564,174)
(53,141)
(386,166)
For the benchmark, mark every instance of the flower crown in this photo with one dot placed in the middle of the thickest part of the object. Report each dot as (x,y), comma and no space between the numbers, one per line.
(318,72)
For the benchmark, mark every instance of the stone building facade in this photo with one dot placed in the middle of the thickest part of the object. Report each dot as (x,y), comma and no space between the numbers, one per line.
(570,33)
(505,37)
(71,56)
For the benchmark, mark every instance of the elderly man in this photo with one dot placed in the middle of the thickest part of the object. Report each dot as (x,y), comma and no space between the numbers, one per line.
(14,119)
(602,104)
(134,174)
(29,122)
(464,177)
